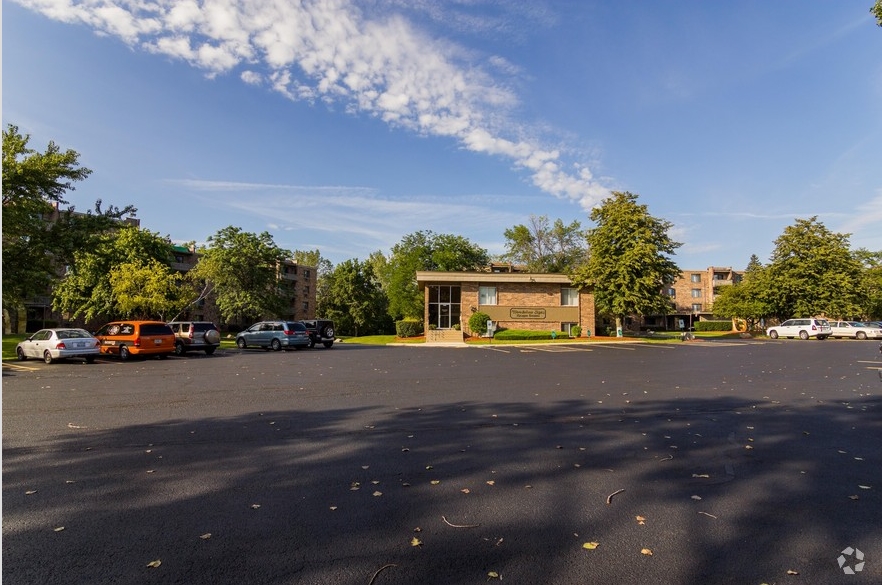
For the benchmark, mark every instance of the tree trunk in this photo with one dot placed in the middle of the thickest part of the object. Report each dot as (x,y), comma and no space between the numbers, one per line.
(619,331)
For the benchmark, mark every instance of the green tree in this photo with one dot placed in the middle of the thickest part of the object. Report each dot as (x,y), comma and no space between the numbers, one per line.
(243,270)
(354,300)
(877,11)
(543,247)
(872,267)
(813,272)
(112,267)
(148,290)
(426,250)
(628,259)
(39,237)
(747,299)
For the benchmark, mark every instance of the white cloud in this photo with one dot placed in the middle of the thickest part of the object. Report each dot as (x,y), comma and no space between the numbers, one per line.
(292,208)
(380,64)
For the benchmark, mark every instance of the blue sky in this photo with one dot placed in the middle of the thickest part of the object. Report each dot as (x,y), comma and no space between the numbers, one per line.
(344,125)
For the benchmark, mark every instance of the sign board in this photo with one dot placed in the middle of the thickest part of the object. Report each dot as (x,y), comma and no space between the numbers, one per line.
(527,313)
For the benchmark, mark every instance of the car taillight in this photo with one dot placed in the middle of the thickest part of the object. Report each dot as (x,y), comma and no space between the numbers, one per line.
(814,328)
(60,345)
(97,343)
(289,332)
(137,342)
(191,333)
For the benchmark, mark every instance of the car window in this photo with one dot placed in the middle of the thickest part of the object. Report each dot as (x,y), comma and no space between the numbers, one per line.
(41,335)
(155,329)
(204,327)
(278,327)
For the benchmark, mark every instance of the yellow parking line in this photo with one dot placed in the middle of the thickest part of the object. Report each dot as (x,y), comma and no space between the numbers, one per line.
(19,367)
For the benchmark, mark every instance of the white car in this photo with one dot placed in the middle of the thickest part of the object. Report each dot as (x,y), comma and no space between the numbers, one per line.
(854,329)
(50,345)
(802,328)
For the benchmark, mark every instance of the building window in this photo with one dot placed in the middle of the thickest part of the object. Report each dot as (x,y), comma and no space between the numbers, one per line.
(306,290)
(696,293)
(569,297)
(696,278)
(486,295)
(305,307)
(672,292)
(306,274)
(568,328)
(696,308)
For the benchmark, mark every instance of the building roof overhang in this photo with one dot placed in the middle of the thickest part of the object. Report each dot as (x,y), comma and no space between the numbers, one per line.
(432,277)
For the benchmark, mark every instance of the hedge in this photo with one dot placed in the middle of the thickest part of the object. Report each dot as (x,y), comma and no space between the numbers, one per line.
(713,325)
(526,334)
(408,328)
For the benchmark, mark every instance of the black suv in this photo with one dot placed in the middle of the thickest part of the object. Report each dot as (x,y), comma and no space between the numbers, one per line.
(320,331)
(195,335)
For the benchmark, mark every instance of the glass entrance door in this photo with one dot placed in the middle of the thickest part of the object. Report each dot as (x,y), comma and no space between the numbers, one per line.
(444,306)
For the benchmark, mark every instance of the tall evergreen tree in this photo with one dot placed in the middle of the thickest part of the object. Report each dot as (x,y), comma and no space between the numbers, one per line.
(813,272)
(629,260)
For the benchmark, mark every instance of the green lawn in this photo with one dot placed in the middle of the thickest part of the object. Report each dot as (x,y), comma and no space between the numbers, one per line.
(9,343)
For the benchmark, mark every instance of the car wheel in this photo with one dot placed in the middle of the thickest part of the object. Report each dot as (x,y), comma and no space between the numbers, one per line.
(163,356)
(276,345)
(209,350)
(861,335)
(240,343)
(773,334)
(328,343)
(47,357)
(179,348)
(90,359)
(311,343)
(328,331)
(19,352)
(124,353)
(803,335)
(822,337)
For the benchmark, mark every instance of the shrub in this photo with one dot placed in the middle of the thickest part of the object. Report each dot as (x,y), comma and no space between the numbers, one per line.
(522,334)
(713,325)
(478,323)
(408,328)
(576,331)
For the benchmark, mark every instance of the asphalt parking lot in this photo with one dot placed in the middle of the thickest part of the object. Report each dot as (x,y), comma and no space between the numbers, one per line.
(703,462)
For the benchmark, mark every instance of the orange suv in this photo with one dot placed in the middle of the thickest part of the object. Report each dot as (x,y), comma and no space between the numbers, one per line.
(136,338)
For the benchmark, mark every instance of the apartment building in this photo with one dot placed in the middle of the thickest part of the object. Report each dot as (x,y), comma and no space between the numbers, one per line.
(692,297)
(298,282)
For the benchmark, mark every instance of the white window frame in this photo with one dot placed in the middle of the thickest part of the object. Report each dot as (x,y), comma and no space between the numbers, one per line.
(569,296)
(696,277)
(696,293)
(487,295)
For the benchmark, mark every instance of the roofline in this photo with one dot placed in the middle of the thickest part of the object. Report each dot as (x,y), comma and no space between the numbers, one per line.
(426,277)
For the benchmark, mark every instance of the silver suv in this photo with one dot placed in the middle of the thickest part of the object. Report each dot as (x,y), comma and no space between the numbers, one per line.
(274,335)
(195,335)
(802,328)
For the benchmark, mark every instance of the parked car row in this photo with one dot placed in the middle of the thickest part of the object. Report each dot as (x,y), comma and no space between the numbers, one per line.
(126,339)
(822,329)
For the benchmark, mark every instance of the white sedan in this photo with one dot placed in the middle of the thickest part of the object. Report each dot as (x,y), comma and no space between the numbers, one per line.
(50,345)
(854,329)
